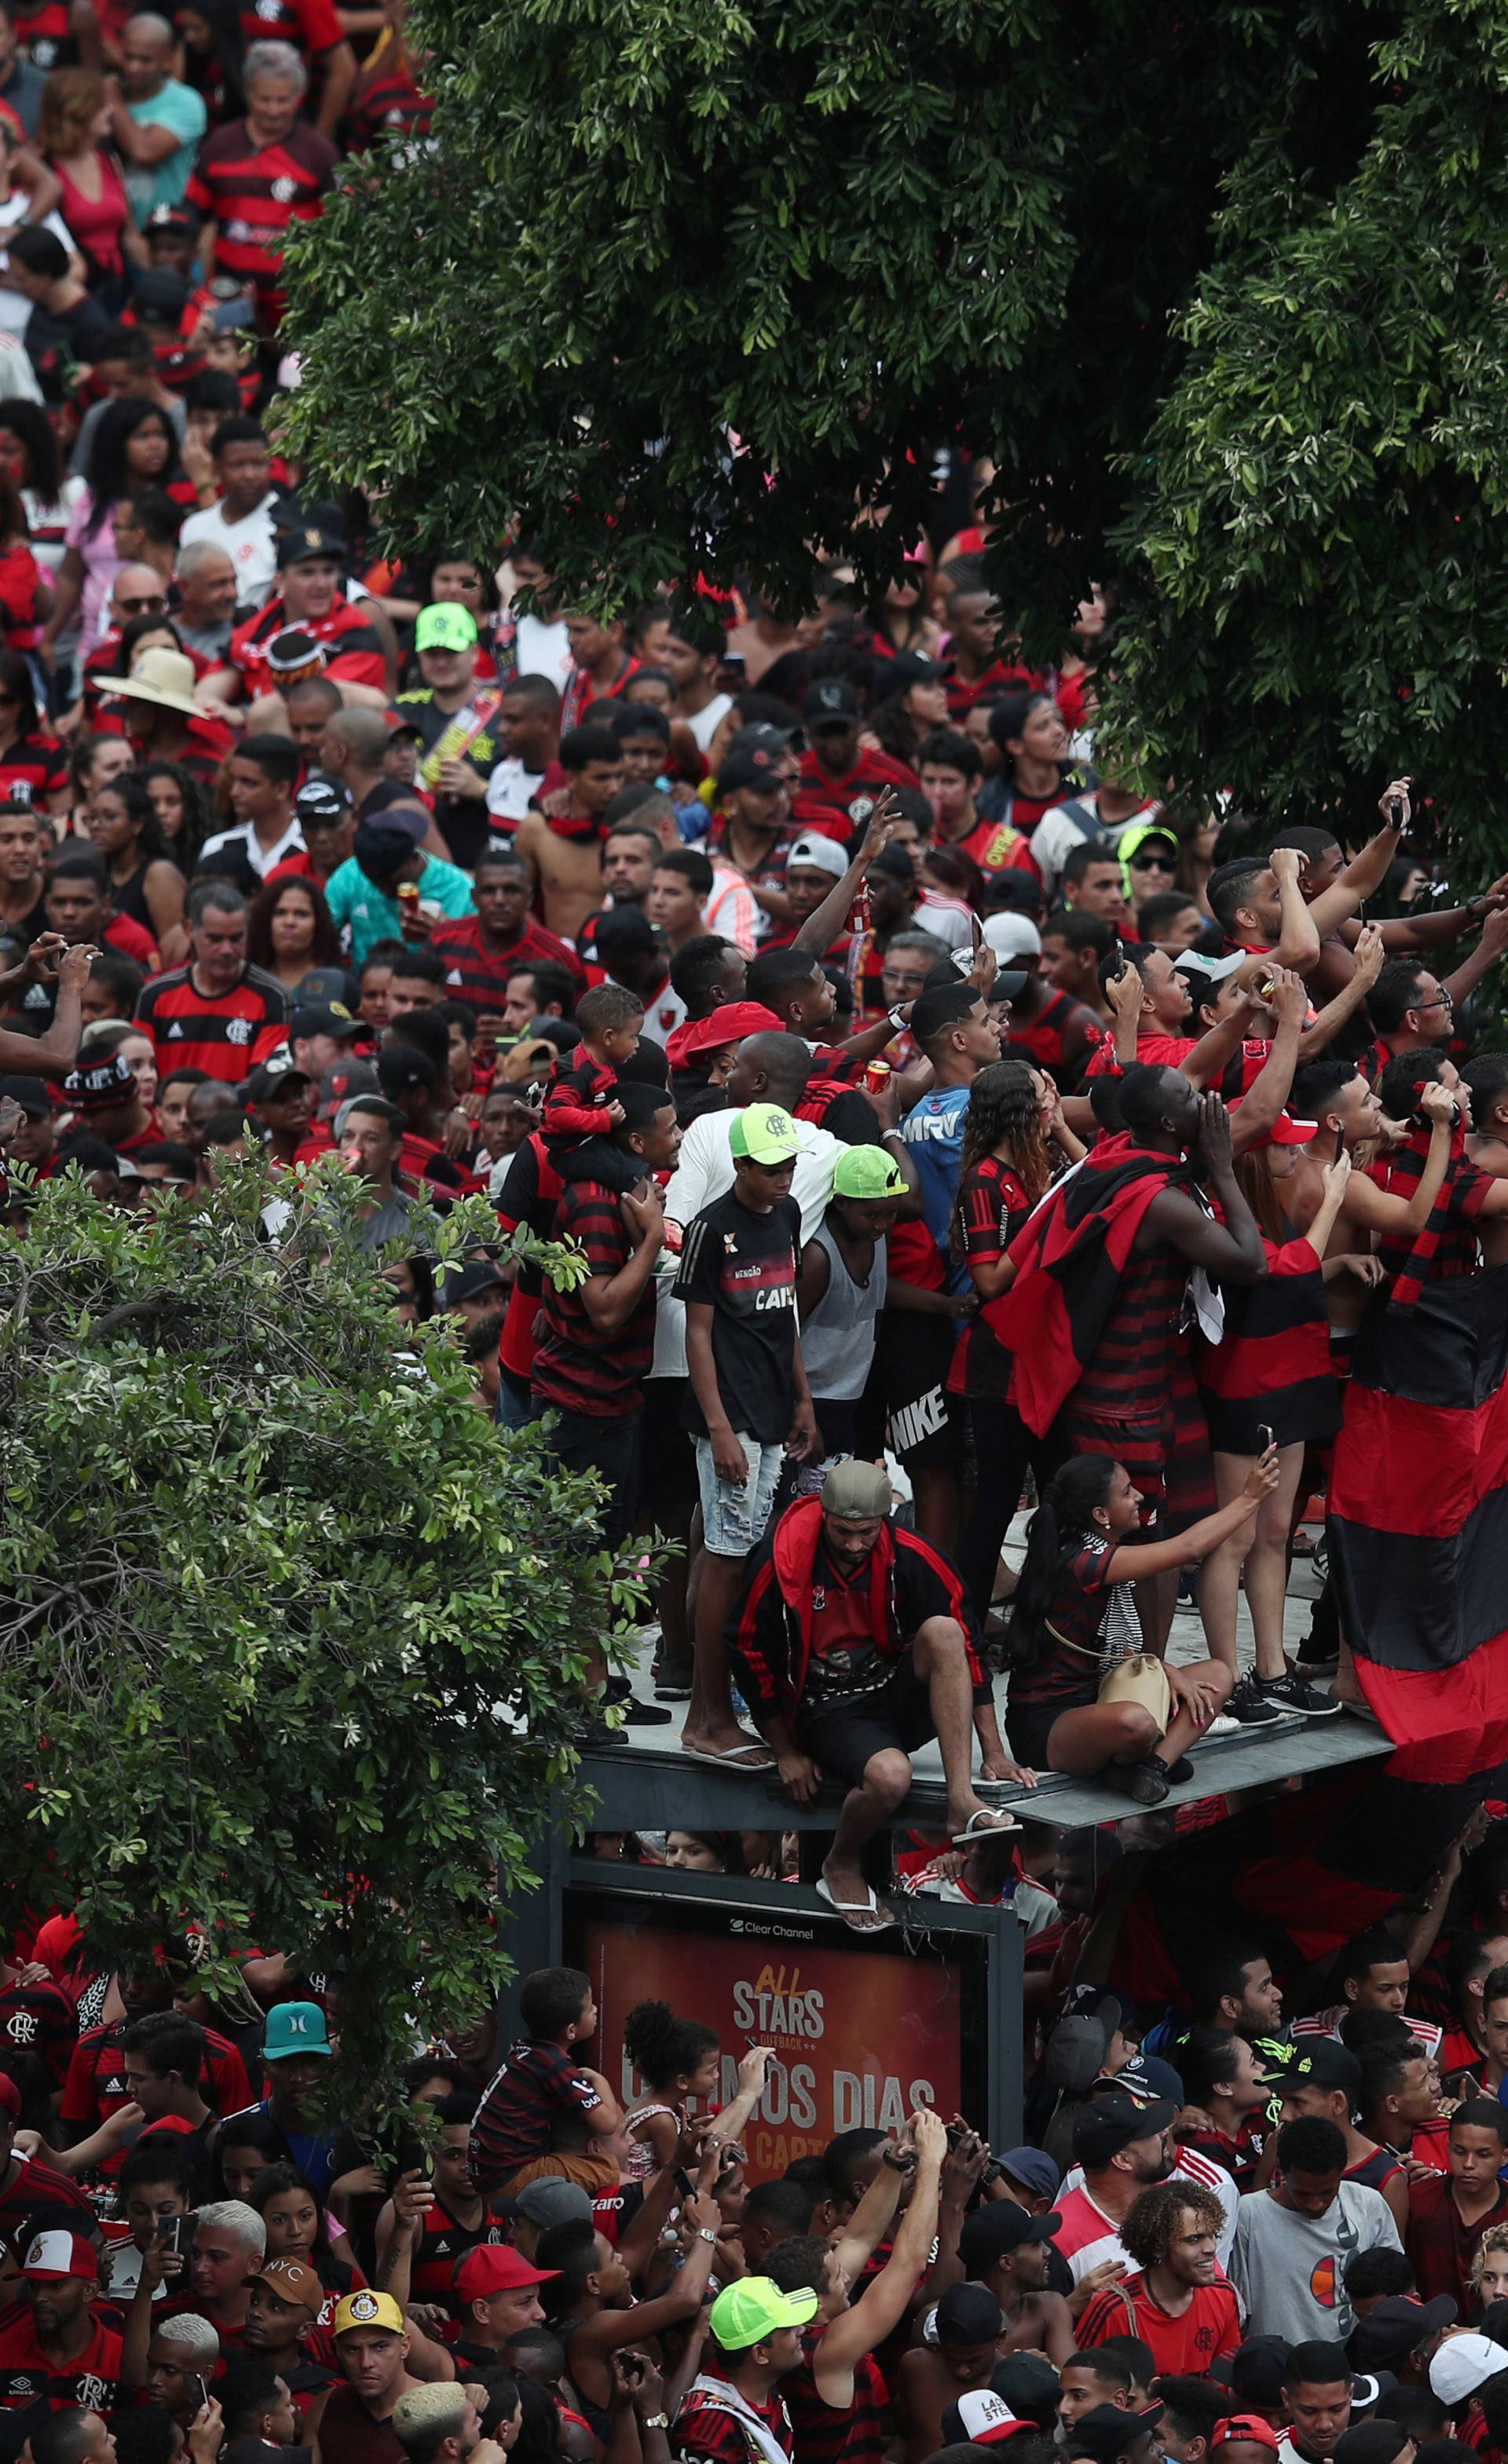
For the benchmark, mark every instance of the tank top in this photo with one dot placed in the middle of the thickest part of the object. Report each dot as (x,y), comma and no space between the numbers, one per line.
(837,1340)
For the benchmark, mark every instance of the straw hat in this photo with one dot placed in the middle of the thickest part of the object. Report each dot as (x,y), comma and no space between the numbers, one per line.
(162,676)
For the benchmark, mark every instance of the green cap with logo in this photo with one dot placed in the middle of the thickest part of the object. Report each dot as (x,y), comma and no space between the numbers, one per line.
(868,1172)
(445,626)
(746,2313)
(763,1133)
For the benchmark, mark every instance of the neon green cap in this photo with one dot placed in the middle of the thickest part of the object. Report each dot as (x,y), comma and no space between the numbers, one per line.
(745,2313)
(763,1133)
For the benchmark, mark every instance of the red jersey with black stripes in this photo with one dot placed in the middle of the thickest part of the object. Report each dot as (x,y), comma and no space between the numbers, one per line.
(253,195)
(225,1034)
(351,641)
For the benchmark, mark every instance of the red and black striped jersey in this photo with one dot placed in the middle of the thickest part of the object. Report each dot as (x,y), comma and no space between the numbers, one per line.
(225,1034)
(388,95)
(311,25)
(837,807)
(826,2433)
(95,2085)
(352,645)
(477,975)
(575,1366)
(39,2019)
(45,34)
(439,2250)
(34,768)
(253,195)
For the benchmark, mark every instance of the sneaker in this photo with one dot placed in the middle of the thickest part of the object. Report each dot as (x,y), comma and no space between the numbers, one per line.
(1146,1782)
(1290,1693)
(1248,1706)
(672,1684)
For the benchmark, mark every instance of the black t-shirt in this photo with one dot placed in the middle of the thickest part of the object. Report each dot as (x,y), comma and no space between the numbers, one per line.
(744,1264)
(59,340)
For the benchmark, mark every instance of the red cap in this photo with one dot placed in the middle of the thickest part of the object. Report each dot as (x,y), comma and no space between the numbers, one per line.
(1286,1132)
(10,2094)
(53,2255)
(729,1024)
(493,2268)
(1244,2425)
(166,2123)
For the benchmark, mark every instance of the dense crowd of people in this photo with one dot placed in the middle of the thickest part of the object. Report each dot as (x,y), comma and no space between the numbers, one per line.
(943,1126)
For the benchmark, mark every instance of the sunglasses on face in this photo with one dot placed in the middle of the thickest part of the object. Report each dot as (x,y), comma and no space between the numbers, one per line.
(1151,863)
(139,607)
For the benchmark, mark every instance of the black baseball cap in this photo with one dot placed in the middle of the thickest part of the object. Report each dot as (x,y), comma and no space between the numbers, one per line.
(467,1283)
(306,540)
(270,1084)
(752,765)
(1254,2373)
(999,2227)
(968,2314)
(830,703)
(1322,2063)
(181,219)
(1394,2327)
(31,1093)
(324,1018)
(1107,2124)
(1107,2430)
(1028,2384)
(160,295)
(402,1065)
(622,931)
(322,799)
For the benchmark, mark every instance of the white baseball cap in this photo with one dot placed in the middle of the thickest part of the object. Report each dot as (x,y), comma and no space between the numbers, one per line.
(1462,2365)
(1013,937)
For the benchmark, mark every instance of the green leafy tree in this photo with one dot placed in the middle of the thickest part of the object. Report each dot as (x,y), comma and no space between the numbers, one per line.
(1221,296)
(289,1632)
(840,240)
(1316,551)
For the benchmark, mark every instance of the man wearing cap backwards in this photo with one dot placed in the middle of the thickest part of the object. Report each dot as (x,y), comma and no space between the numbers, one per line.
(389,852)
(326,820)
(283,2305)
(855,1643)
(1005,2248)
(311,567)
(1244,2438)
(54,2347)
(841,777)
(731,2413)
(1324,2078)
(371,2352)
(459,726)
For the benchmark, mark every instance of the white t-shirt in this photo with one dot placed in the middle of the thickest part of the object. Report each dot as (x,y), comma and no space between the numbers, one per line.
(705,726)
(511,789)
(13,309)
(544,650)
(247,543)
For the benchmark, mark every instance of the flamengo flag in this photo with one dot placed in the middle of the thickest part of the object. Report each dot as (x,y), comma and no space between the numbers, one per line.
(1418,1518)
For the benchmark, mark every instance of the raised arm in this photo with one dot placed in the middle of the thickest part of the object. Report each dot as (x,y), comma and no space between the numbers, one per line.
(1367,956)
(1298,944)
(1367,871)
(1257,1110)
(825,923)
(865,2326)
(1233,1248)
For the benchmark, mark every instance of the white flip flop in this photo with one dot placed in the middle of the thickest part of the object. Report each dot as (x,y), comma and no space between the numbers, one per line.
(848,1909)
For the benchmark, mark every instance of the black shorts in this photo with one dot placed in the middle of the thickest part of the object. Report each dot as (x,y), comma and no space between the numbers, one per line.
(845,1736)
(1028,1728)
(925,1425)
(667,1453)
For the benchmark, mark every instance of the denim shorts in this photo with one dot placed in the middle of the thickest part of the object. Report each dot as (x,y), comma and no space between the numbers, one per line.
(733,1519)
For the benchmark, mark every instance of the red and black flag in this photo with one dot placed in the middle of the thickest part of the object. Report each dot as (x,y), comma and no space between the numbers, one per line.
(1069,1260)
(1418,1514)
(1297,1876)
